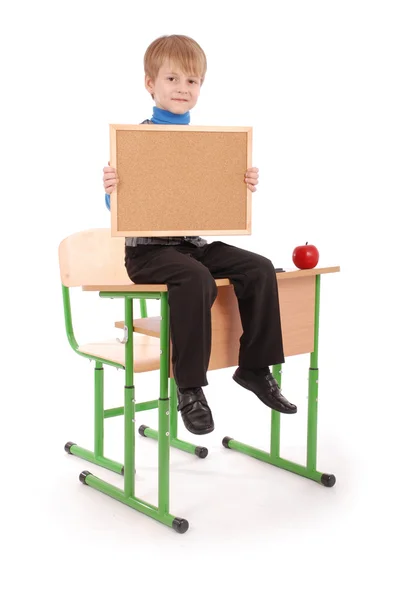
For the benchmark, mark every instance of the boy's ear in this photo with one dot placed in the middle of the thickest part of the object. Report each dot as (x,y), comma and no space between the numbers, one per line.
(149,84)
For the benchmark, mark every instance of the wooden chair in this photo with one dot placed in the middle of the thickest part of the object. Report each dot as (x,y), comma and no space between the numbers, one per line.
(94,261)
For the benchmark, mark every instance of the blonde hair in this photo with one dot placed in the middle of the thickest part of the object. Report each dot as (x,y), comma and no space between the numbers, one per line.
(179,49)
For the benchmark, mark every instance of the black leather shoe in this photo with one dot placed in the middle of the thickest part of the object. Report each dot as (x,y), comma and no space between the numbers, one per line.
(195,411)
(266,388)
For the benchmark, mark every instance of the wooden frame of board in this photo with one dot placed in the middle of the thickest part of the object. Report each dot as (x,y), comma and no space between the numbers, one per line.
(180,180)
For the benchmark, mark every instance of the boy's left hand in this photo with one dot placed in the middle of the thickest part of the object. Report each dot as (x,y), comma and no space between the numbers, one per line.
(252,178)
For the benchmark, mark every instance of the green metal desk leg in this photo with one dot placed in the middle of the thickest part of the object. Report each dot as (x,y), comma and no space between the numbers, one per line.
(129,406)
(273,457)
(146,431)
(311,453)
(275,419)
(173,409)
(99,409)
(164,405)
(313,387)
(143,308)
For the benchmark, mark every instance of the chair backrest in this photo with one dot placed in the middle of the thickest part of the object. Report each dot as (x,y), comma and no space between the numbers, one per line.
(92,257)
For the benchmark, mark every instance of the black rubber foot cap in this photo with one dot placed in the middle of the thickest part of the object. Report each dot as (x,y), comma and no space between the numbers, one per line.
(328,480)
(180,525)
(67,447)
(83,476)
(201,451)
(225,441)
(141,430)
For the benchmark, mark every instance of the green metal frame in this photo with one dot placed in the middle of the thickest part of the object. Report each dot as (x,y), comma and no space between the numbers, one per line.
(166,434)
(273,458)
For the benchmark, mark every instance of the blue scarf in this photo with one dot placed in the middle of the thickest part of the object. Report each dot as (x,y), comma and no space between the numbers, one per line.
(165,117)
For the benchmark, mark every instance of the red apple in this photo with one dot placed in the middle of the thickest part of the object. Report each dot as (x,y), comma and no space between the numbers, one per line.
(305,257)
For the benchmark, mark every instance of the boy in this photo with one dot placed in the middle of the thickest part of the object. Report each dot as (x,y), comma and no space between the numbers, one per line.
(175,68)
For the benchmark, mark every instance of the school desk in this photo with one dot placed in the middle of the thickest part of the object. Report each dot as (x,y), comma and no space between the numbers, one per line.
(94,261)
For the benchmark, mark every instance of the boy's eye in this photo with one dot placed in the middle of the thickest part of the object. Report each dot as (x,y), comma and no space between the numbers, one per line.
(190,81)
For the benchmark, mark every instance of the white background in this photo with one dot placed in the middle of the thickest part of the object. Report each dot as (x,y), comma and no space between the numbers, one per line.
(319,82)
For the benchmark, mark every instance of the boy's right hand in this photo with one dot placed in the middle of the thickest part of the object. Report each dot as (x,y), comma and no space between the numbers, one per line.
(110,179)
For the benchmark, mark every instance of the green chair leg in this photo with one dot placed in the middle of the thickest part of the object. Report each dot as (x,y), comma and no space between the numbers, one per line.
(127,495)
(97,456)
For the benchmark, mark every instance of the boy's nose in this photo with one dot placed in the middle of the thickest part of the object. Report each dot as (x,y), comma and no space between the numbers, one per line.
(182,88)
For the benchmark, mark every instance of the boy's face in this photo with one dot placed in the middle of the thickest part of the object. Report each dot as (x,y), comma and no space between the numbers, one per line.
(174,90)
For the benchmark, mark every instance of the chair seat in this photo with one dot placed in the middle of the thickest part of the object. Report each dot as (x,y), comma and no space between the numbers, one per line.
(146,352)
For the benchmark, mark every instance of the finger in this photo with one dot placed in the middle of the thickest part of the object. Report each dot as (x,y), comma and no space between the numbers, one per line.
(252,188)
(109,188)
(109,184)
(109,176)
(251,178)
(109,170)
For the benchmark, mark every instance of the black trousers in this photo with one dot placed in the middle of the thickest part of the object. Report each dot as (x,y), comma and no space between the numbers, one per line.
(189,273)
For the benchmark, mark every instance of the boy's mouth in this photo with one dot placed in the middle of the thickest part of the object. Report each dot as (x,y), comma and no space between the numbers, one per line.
(180,100)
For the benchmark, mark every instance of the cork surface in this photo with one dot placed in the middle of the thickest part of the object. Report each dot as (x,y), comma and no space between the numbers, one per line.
(181,182)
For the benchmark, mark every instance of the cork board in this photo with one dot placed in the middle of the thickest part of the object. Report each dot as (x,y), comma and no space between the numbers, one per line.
(180,180)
